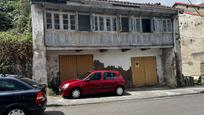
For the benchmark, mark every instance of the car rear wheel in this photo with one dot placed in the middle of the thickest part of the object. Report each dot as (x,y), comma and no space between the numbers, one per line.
(76,93)
(119,91)
(16,111)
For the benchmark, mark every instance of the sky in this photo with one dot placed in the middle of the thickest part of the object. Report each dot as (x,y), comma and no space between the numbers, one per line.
(166,2)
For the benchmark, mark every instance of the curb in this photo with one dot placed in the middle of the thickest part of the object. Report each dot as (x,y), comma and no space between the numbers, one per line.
(124,99)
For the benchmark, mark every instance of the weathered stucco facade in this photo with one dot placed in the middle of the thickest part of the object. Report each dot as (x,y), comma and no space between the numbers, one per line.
(192,38)
(116,37)
(192,42)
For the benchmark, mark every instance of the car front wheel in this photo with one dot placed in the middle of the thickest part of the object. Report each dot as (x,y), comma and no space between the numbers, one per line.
(76,93)
(119,91)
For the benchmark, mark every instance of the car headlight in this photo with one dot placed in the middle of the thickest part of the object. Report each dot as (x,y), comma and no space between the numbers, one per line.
(65,86)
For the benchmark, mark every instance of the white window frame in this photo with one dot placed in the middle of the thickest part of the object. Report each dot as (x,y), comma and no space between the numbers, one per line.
(61,21)
(105,17)
(51,21)
(134,24)
(159,27)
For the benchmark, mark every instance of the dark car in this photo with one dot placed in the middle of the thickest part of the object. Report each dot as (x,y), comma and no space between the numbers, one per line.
(93,82)
(19,97)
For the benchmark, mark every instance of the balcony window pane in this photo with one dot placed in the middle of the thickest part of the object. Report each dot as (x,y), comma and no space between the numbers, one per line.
(49,20)
(125,24)
(146,25)
(101,23)
(57,22)
(169,24)
(137,25)
(72,22)
(114,24)
(96,23)
(164,26)
(108,24)
(84,23)
(65,22)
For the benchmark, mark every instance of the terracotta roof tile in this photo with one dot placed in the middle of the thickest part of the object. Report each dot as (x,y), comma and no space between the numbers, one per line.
(186,4)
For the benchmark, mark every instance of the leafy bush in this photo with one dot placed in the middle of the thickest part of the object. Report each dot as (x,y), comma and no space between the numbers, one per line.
(16,53)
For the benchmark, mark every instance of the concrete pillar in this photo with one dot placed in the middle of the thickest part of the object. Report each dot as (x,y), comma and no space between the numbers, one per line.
(169,67)
(39,49)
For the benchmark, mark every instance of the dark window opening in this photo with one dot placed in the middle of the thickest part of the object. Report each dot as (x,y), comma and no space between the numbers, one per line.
(57,22)
(101,23)
(72,22)
(108,24)
(146,25)
(65,22)
(84,23)
(114,24)
(96,23)
(125,24)
(49,20)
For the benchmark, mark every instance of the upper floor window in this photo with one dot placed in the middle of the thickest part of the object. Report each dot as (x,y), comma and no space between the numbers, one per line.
(105,23)
(49,20)
(108,24)
(169,25)
(146,25)
(69,22)
(73,22)
(114,23)
(57,21)
(162,25)
(101,23)
(65,22)
(84,23)
(125,24)
(136,24)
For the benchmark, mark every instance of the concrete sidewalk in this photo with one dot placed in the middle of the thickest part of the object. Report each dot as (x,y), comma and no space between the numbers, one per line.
(155,93)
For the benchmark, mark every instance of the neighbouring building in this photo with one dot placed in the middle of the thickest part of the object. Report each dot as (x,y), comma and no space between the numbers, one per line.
(71,37)
(192,38)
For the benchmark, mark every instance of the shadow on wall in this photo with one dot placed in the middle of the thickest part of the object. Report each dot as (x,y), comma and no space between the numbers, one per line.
(127,74)
(53,113)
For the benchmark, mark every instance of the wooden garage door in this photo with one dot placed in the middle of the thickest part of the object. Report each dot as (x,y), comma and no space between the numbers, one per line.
(74,65)
(144,71)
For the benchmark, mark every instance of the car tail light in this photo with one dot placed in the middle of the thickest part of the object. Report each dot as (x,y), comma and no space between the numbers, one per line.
(39,98)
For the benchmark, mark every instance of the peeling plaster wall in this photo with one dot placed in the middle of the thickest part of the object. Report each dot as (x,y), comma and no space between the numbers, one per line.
(192,44)
(39,50)
(169,65)
(115,58)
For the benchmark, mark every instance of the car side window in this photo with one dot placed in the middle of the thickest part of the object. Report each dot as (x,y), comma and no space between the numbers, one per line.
(109,76)
(95,76)
(11,85)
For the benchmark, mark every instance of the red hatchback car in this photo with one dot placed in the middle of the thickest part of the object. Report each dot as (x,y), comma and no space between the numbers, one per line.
(93,82)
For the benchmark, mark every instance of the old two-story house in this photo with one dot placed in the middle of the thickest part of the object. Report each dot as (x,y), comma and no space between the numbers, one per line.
(71,37)
(192,38)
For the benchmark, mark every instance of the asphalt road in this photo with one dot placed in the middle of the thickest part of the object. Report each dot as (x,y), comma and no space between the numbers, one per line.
(178,105)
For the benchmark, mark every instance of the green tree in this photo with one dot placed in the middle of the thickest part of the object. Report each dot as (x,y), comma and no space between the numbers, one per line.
(15,37)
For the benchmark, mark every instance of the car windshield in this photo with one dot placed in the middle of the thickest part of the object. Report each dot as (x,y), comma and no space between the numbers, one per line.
(83,76)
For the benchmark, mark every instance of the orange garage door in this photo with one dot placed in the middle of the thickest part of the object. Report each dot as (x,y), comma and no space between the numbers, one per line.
(144,71)
(72,66)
